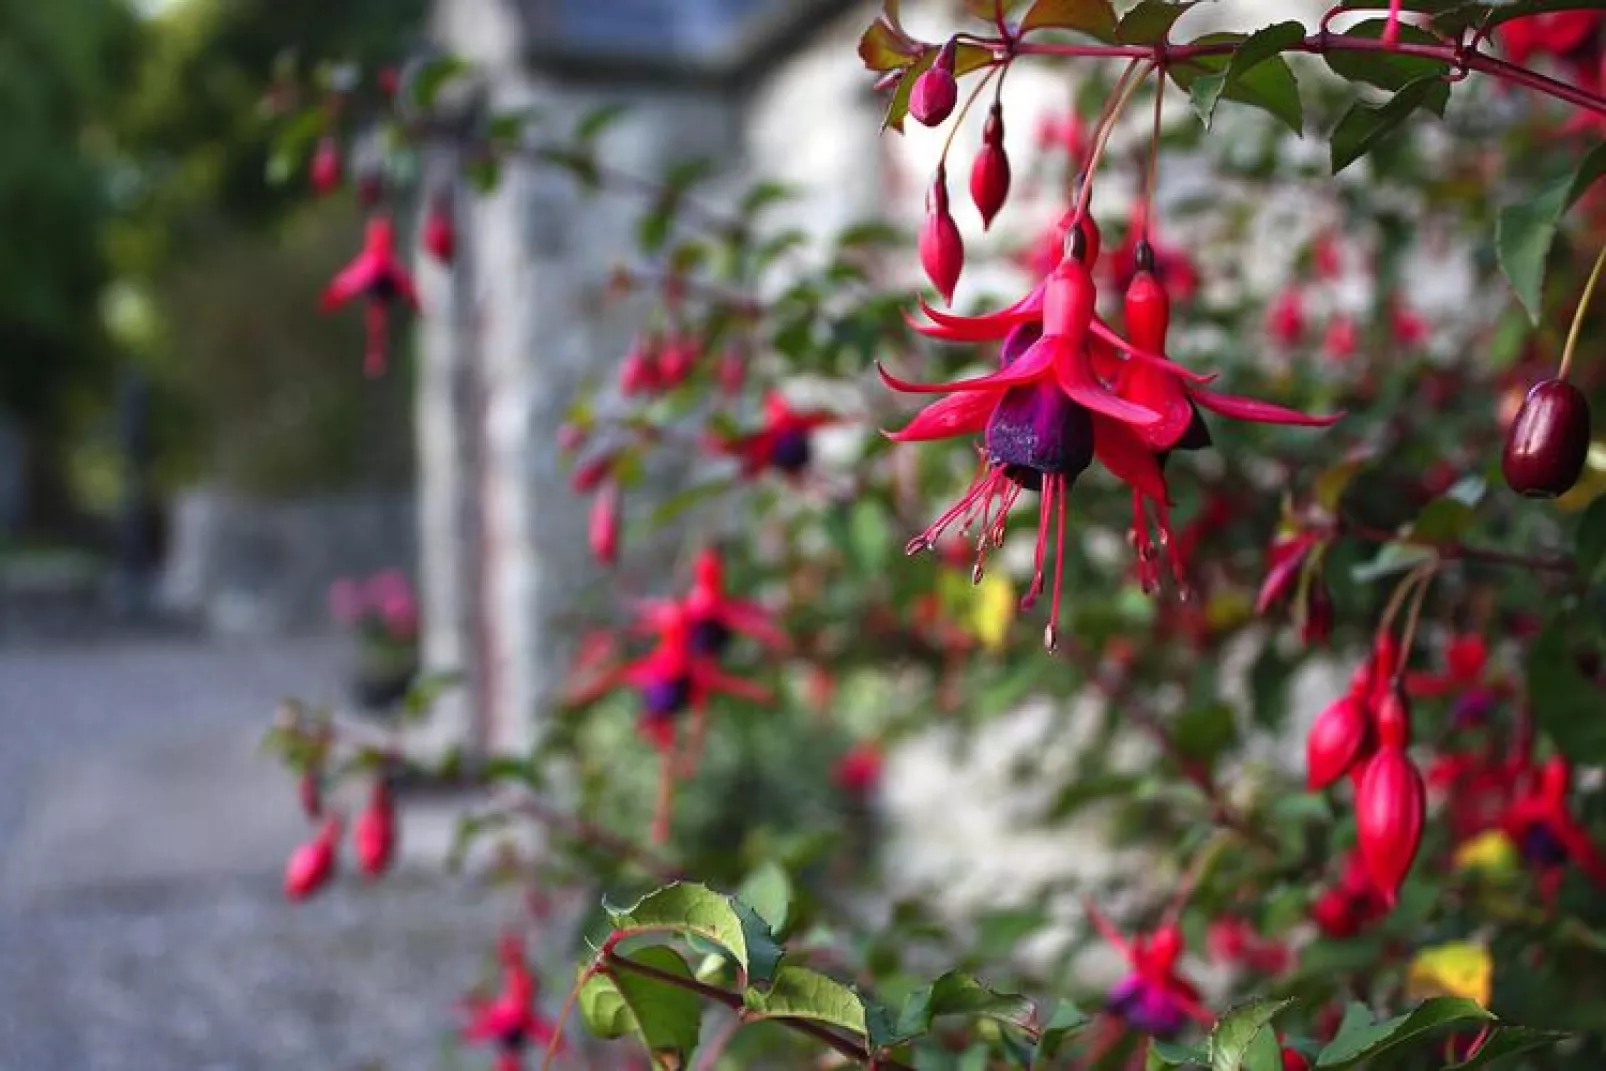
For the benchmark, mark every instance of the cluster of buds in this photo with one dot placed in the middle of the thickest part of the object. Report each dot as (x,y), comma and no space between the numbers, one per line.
(312,865)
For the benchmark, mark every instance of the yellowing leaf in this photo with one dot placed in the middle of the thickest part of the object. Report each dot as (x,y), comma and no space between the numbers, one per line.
(993,610)
(1490,852)
(1460,969)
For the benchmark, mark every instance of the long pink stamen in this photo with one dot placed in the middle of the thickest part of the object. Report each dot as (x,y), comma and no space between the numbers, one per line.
(1043,513)
(1052,636)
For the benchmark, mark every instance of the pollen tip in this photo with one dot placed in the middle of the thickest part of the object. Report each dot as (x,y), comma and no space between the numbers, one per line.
(976,573)
(1051,638)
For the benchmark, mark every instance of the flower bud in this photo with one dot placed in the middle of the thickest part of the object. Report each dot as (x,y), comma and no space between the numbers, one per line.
(676,362)
(936,91)
(324,171)
(1391,715)
(1285,320)
(1317,626)
(989,174)
(1389,808)
(942,250)
(604,530)
(1548,441)
(311,865)
(375,832)
(1336,739)
(440,234)
(640,373)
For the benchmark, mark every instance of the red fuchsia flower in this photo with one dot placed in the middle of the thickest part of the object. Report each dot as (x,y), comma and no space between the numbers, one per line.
(936,91)
(1557,33)
(989,174)
(1065,132)
(312,864)
(440,233)
(1547,834)
(1233,940)
(1350,906)
(942,250)
(1327,256)
(1155,998)
(677,360)
(603,531)
(375,831)
(784,442)
(639,372)
(859,771)
(1476,789)
(1407,326)
(1285,558)
(1343,737)
(589,476)
(324,172)
(712,616)
(1465,660)
(1342,338)
(390,595)
(377,276)
(1170,264)
(509,1020)
(1285,319)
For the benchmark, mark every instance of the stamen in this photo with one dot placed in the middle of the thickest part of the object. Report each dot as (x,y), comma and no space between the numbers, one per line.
(1059,559)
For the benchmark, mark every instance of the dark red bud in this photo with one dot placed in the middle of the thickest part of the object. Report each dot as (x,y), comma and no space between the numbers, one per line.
(1336,739)
(1317,627)
(942,250)
(677,361)
(589,477)
(1392,716)
(936,91)
(989,175)
(1390,804)
(440,234)
(1548,441)
(375,832)
(324,171)
(604,531)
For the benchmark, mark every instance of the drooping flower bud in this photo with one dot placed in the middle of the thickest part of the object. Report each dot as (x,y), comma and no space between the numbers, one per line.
(942,250)
(571,436)
(1391,715)
(589,476)
(936,91)
(312,864)
(1548,441)
(1342,338)
(324,172)
(375,831)
(989,174)
(440,233)
(1336,739)
(1390,804)
(639,374)
(1316,628)
(604,531)
(676,361)
(1285,320)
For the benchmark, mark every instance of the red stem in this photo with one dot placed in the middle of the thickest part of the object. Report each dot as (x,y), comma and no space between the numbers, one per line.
(1322,43)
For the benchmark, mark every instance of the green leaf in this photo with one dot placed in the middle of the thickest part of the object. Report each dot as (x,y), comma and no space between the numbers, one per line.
(1093,17)
(871,233)
(768,891)
(1268,85)
(1443,520)
(869,536)
(1235,1032)
(686,908)
(957,993)
(1357,1041)
(1386,70)
(1064,1023)
(1391,558)
(1204,732)
(1164,1055)
(428,79)
(666,1018)
(1524,232)
(884,47)
(1590,542)
(1566,704)
(1150,21)
(1509,1041)
(763,953)
(592,125)
(1259,48)
(483,172)
(799,993)
(763,196)
(1363,127)
(426,690)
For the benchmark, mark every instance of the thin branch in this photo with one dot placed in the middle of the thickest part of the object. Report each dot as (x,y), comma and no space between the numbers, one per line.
(590,833)
(1458,551)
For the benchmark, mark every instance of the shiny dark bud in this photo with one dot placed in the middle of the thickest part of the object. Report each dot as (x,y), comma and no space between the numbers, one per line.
(1548,441)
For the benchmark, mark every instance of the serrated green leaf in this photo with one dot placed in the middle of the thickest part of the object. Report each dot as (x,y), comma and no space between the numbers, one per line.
(1363,127)
(799,993)
(1234,1033)
(1509,1041)
(1368,1041)
(686,908)
(1093,17)
(763,952)
(1525,232)
(1150,21)
(957,993)
(1386,70)
(666,1018)
(768,891)
(1269,85)
(430,77)
(1258,48)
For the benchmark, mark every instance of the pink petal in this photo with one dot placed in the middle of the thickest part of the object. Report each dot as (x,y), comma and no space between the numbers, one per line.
(711,679)
(961,413)
(1076,380)
(1106,930)
(1114,338)
(1120,450)
(755,621)
(353,281)
(1239,408)
(991,325)
(1031,366)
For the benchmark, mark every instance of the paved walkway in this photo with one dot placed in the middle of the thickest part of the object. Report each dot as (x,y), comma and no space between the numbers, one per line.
(141,843)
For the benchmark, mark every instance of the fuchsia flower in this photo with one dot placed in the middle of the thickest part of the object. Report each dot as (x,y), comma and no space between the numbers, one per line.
(784,442)
(1547,834)
(712,616)
(1170,264)
(1342,338)
(859,771)
(1155,998)
(1350,906)
(379,277)
(509,1020)
(1064,395)
(1556,33)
